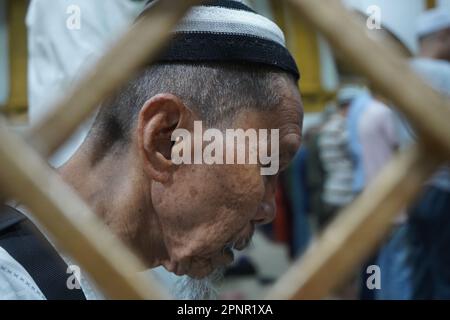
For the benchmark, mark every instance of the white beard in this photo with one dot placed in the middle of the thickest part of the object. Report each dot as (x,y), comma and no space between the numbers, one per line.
(188,288)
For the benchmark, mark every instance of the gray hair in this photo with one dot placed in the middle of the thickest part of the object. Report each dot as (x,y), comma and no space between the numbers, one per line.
(215,92)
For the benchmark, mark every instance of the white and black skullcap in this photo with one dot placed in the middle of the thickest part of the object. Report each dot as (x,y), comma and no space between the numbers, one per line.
(228,31)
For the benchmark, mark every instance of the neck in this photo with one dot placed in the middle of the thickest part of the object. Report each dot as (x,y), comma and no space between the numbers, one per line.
(119,194)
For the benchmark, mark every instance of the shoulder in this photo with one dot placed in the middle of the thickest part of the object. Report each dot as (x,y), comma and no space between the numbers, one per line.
(15,282)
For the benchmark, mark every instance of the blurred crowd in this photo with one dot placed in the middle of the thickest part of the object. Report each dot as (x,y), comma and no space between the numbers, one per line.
(340,157)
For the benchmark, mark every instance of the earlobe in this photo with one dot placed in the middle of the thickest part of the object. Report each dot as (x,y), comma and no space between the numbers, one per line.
(158,118)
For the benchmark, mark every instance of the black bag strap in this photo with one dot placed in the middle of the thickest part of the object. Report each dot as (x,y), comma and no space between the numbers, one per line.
(28,246)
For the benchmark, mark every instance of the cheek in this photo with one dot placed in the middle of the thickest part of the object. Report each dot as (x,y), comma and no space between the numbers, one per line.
(205,206)
(243,188)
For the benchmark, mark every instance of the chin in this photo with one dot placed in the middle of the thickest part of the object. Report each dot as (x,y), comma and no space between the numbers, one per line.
(199,274)
(213,265)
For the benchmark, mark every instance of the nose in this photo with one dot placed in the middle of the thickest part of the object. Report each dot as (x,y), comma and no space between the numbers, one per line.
(265,213)
(266,210)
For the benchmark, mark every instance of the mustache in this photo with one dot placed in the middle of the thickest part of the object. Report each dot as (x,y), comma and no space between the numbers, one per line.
(229,246)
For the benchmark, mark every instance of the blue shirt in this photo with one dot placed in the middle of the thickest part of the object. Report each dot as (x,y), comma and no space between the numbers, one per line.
(356,109)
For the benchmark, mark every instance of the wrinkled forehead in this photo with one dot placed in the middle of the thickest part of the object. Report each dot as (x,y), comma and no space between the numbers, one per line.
(287,115)
(290,108)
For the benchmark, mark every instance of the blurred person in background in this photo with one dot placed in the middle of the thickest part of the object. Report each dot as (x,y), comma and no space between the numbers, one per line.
(335,157)
(429,218)
(433,32)
(379,141)
(373,142)
(65,39)
(356,109)
(315,172)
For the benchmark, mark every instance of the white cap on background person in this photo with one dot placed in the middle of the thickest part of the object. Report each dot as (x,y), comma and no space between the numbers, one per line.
(432,21)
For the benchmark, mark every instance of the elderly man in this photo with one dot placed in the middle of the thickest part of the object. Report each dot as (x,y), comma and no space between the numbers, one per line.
(227,67)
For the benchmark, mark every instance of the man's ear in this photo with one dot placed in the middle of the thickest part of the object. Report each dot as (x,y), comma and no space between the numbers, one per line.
(158,118)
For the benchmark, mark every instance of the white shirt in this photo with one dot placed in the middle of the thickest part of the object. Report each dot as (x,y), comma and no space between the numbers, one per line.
(379,141)
(65,39)
(17,284)
(378,136)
